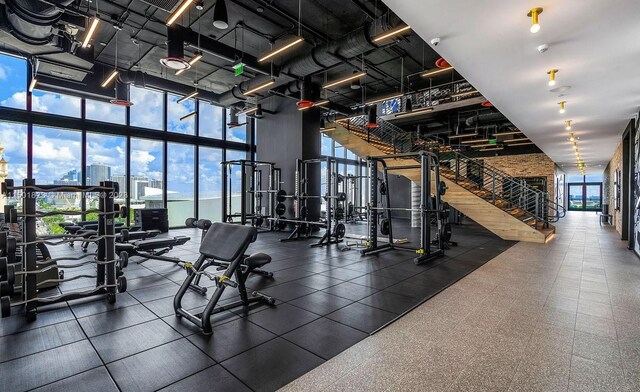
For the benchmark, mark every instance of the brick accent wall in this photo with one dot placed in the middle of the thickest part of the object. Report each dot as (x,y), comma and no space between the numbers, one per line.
(526,165)
(609,188)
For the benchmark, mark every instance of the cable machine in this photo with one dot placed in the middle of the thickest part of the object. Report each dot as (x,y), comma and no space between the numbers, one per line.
(253,207)
(430,206)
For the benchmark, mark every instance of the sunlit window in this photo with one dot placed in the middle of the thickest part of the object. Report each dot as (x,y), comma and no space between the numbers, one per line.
(210,184)
(180,182)
(105,111)
(146,182)
(148,108)
(210,119)
(53,103)
(13,78)
(179,118)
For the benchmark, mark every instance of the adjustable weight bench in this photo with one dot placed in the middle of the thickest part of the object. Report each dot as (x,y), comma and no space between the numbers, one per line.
(153,248)
(228,243)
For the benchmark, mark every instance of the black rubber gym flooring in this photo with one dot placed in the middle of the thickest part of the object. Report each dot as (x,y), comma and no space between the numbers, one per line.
(327,300)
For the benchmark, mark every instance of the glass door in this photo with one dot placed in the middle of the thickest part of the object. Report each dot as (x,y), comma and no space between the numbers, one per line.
(585,196)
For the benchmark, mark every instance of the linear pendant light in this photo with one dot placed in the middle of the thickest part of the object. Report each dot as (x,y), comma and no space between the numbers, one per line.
(32,85)
(507,133)
(461,135)
(377,100)
(92,29)
(186,116)
(435,72)
(109,79)
(260,87)
(247,111)
(414,113)
(183,7)
(345,80)
(192,61)
(492,149)
(193,94)
(483,145)
(281,49)
(520,139)
(521,144)
(474,141)
(391,33)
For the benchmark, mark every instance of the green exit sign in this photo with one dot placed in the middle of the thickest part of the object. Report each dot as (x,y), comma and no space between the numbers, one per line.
(492,141)
(239,69)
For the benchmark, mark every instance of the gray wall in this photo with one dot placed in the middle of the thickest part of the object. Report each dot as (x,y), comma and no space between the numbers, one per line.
(400,195)
(288,135)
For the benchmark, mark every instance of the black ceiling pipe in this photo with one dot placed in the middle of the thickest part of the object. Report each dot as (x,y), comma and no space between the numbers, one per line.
(141,79)
(350,46)
(486,117)
(32,21)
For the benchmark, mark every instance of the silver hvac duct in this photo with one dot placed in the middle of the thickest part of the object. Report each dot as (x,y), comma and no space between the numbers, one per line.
(32,21)
(350,46)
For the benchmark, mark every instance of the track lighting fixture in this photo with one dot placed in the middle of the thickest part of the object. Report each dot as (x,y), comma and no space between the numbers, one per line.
(187,116)
(516,140)
(356,75)
(567,125)
(534,14)
(552,76)
(562,108)
(193,60)
(32,85)
(248,111)
(176,14)
(461,135)
(507,133)
(414,112)
(472,141)
(281,49)
(92,29)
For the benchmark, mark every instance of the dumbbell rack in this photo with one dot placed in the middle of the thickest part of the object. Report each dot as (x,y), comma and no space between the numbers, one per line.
(107,281)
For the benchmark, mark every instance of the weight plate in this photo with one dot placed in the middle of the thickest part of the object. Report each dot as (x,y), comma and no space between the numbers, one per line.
(11,274)
(280,209)
(339,231)
(442,188)
(281,225)
(258,222)
(124,212)
(123,259)
(203,224)
(6,289)
(384,227)
(124,235)
(383,188)
(447,232)
(281,195)
(3,268)
(122,284)
(190,222)
(342,196)
(5,305)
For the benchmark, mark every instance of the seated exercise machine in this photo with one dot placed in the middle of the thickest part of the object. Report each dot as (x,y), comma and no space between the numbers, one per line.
(228,243)
(430,206)
(205,225)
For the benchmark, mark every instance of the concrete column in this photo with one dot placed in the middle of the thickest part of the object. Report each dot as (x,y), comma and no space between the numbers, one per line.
(415,203)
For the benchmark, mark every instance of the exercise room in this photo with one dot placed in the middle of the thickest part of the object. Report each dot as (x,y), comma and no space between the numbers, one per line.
(297,195)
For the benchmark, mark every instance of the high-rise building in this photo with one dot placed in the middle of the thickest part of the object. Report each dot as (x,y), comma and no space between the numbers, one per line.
(97,173)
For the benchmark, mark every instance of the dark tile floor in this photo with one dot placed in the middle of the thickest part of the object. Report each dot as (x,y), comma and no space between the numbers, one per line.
(328,299)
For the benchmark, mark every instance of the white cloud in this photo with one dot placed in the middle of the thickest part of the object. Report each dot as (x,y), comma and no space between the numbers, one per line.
(3,73)
(64,105)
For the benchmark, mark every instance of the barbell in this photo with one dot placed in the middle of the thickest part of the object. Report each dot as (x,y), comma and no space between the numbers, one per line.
(281,196)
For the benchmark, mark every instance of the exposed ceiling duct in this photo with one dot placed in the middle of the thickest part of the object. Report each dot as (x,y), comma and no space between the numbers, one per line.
(483,118)
(33,21)
(322,57)
(141,79)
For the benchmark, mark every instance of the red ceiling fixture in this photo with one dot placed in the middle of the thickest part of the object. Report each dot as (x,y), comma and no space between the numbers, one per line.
(442,63)
(371,121)
(487,104)
(121,102)
(305,94)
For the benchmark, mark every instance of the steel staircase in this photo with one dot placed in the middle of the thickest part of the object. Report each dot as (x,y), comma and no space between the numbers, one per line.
(505,205)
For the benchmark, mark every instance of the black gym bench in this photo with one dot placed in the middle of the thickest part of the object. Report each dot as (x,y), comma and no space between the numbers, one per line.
(227,243)
(153,248)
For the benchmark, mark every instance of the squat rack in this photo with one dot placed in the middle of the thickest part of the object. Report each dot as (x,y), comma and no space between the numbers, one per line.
(251,192)
(427,162)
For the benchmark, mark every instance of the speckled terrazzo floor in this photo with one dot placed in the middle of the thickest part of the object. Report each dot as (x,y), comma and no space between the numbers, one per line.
(554,317)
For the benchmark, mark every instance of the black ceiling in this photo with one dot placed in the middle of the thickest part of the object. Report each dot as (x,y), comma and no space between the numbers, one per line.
(253,26)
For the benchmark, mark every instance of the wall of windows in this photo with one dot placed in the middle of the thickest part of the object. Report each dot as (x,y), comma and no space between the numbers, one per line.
(180,182)
(210,183)
(155,163)
(13,78)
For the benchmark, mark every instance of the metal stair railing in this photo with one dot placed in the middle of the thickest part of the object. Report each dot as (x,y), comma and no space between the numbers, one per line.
(510,194)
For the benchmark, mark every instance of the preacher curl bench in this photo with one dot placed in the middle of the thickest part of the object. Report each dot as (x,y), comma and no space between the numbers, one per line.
(228,243)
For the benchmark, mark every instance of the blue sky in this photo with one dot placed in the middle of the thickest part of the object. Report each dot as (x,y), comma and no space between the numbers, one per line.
(56,151)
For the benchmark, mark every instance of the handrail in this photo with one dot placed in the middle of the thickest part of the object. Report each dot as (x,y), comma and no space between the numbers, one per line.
(499,187)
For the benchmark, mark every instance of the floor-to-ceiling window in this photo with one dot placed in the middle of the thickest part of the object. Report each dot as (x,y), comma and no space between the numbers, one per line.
(180,182)
(146,182)
(164,135)
(585,193)
(210,183)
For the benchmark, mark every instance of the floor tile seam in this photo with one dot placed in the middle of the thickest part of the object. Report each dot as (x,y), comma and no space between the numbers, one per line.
(102,312)
(321,315)
(73,375)
(142,351)
(34,329)
(43,350)
(98,355)
(202,370)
